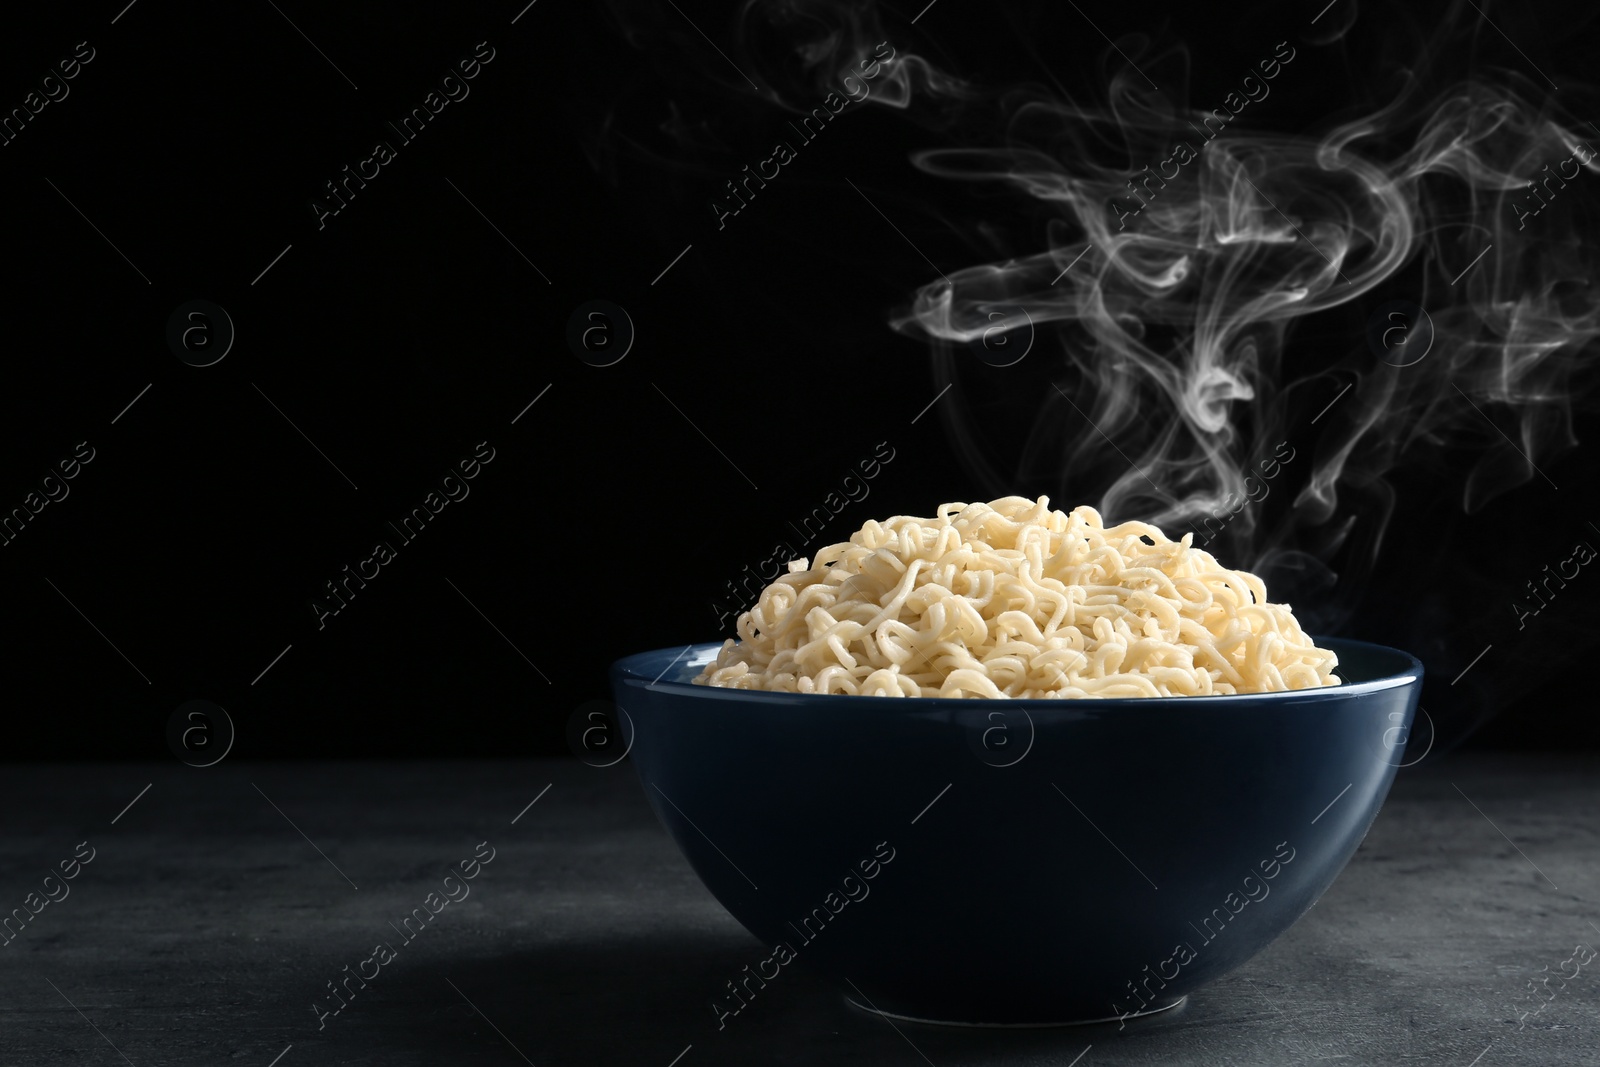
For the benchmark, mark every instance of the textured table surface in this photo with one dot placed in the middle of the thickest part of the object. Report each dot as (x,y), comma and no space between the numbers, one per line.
(217,908)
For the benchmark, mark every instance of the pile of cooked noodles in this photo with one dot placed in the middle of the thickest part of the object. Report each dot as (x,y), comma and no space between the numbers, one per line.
(1014,599)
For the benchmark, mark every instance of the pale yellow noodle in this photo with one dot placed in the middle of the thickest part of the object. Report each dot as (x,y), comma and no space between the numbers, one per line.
(1013,599)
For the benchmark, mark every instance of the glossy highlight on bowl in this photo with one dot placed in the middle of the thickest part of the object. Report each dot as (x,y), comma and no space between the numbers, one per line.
(1053,861)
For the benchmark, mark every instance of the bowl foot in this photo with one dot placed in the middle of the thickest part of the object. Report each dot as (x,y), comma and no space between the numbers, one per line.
(1154,1010)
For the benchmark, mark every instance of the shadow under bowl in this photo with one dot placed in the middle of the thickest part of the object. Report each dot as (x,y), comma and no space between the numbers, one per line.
(1014,862)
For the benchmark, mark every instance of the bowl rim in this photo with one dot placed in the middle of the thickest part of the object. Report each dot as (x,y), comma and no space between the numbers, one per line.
(625,672)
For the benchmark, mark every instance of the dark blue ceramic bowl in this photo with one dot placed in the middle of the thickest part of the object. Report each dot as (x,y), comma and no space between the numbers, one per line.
(1014,861)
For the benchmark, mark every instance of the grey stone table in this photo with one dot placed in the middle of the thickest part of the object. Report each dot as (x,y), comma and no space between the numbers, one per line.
(213,913)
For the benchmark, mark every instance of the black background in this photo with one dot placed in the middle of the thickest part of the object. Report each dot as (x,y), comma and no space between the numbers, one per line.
(407,330)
